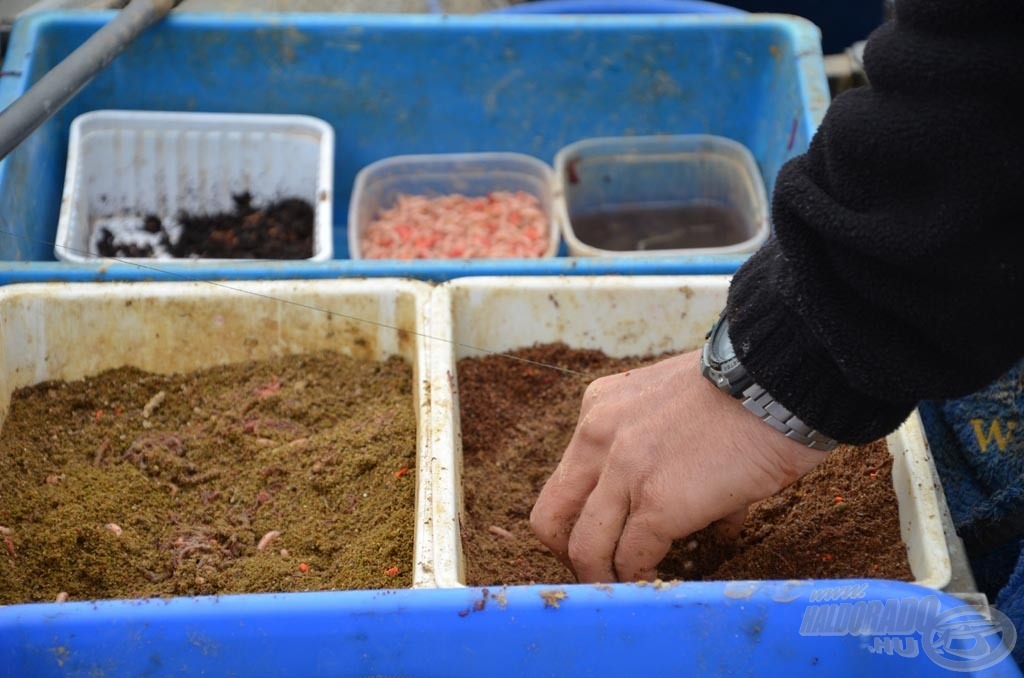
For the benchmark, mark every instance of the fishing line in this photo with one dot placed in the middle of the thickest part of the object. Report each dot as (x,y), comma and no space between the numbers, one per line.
(299,304)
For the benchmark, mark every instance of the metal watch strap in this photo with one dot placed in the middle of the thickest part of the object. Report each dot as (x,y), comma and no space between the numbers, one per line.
(761,403)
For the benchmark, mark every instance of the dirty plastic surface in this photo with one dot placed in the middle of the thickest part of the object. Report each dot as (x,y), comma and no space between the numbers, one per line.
(637,316)
(622,630)
(55,331)
(68,331)
(393,85)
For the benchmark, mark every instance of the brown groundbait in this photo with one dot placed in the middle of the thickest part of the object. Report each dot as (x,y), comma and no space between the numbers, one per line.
(841,520)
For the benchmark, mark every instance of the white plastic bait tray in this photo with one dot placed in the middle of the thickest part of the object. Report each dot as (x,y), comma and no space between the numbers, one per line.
(622,317)
(124,165)
(68,332)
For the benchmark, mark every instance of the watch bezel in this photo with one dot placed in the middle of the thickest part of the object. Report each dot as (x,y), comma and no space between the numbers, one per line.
(728,374)
(713,339)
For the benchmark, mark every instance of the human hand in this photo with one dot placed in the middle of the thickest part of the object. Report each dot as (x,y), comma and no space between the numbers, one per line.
(658,453)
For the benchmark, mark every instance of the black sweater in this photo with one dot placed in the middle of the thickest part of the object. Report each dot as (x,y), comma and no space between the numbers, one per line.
(895,272)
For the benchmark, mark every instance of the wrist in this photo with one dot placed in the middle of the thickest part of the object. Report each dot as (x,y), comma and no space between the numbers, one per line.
(722,367)
(782,459)
(793,362)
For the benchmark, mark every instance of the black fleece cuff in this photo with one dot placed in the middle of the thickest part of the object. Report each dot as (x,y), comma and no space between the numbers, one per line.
(784,357)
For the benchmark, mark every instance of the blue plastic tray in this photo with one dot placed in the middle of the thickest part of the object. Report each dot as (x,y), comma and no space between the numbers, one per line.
(395,84)
(624,630)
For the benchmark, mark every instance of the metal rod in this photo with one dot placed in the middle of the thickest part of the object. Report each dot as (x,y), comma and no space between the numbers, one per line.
(67,78)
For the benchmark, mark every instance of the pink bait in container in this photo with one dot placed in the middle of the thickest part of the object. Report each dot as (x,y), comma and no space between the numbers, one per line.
(453,206)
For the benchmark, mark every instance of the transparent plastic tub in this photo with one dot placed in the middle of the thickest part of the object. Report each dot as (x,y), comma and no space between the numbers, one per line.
(680,195)
(125,165)
(639,315)
(378,185)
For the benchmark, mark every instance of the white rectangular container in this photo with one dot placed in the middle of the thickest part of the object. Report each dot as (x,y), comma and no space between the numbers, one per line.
(378,185)
(622,317)
(71,331)
(135,163)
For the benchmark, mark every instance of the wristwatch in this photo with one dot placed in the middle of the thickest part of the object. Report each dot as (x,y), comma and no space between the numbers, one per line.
(721,367)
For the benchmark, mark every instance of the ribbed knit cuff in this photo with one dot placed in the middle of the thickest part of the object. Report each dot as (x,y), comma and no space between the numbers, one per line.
(782,355)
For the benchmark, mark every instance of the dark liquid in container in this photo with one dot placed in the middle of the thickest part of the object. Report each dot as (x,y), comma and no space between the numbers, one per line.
(662,227)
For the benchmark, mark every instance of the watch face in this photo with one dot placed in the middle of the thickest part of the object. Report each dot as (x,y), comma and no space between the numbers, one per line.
(721,347)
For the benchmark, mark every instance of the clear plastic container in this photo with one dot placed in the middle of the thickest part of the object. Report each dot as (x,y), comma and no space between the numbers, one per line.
(124,165)
(660,196)
(378,185)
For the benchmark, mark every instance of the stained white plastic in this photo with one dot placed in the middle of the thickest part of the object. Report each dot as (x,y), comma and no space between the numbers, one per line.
(128,164)
(378,185)
(60,331)
(613,172)
(67,332)
(620,316)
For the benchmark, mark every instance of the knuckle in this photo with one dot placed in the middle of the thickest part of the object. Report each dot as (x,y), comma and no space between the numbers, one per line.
(541,523)
(596,429)
(544,525)
(624,567)
(538,521)
(594,388)
(579,549)
(630,561)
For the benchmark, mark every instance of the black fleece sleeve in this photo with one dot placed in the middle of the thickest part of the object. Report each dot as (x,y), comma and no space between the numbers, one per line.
(894,272)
